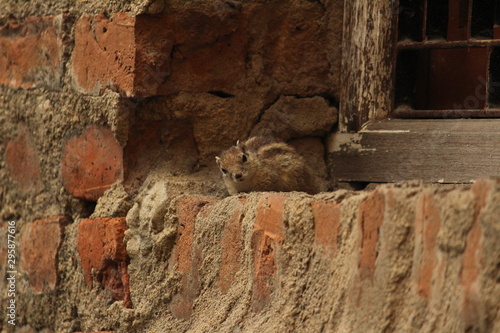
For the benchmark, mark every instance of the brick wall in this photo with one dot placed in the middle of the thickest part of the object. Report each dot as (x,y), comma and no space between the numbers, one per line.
(110,117)
(407,257)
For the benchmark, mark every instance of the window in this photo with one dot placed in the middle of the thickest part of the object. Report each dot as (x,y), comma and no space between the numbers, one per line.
(448,59)
(420,92)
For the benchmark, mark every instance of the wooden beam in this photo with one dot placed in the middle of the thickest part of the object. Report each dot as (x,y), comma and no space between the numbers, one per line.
(368,61)
(443,151)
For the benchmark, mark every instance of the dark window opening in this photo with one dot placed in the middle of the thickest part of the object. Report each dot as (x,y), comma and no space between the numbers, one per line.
(410,20)
(463,13)
(497,13)
(437,19)
(483,19)
(406,78)
(494,79)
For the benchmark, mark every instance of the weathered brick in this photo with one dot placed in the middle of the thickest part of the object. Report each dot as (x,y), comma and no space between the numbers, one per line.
(231,247)
(165,54)
(91,163)
(427,224)
(40,243)
(187,259)
(326,225)
(224,53)
(32,52)
(104,53)
(103,255)
(268,235)
(133,54)
(172,55)
(472,257)
(23,162)
(371,217)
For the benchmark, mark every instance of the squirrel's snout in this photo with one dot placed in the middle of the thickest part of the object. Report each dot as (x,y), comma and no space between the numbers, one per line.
(238,176)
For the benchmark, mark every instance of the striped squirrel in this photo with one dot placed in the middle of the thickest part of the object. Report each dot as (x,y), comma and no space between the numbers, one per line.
(264,164)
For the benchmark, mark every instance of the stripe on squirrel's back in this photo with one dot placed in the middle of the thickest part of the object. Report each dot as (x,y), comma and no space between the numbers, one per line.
(255,143)
(275,149)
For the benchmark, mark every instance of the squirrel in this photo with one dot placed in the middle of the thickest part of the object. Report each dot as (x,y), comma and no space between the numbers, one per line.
(264,164)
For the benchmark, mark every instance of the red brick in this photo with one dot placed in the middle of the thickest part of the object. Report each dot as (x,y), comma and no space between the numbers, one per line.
(23,163)
(188,208)
(259,40)
(326,225)
(134,55)
(40,243)
(32,52)
(268,235)
(104,53)
(472,257)
(91,163)
(209,61)
(195,50)
(371,217)
(103,255)
(187,259)
(427,224)
(231,247)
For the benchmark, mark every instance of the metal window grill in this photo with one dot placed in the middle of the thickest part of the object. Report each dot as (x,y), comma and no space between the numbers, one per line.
(448,59)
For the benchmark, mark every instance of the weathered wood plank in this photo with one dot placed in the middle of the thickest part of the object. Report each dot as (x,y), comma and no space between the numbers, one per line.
(368,58)
(446,151)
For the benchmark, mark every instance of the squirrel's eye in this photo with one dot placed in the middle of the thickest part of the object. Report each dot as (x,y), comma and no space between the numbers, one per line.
(224,171)
(243,158)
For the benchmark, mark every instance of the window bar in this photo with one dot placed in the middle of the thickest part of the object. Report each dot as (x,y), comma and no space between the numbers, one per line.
(459,20)
(444,114)
(488,78)
(449,44)
(425,5)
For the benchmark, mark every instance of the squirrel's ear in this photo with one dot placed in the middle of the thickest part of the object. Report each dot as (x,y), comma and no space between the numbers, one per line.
(241,146)
(217,159)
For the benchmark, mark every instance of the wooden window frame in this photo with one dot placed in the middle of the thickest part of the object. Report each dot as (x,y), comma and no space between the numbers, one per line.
(370,146)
